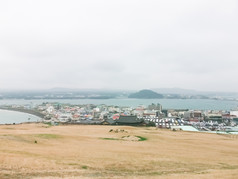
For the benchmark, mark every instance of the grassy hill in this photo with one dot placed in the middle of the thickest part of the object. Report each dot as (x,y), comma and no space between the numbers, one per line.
(146,94)
(39,151)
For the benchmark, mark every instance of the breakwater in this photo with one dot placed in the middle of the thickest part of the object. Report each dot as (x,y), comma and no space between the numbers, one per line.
(29,111)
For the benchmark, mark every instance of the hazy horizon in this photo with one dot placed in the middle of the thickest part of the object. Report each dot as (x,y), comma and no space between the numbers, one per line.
(174,90)
(127,44)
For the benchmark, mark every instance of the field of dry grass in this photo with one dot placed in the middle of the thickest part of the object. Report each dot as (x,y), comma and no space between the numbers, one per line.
(80,151)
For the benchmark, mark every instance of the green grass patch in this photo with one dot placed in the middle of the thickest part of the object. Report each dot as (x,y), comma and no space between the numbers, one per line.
(73,164)
(230,167)
(141,138)
(84,167)
(48,136)
(48,124)
(9,128)
(154,173)
(110,139)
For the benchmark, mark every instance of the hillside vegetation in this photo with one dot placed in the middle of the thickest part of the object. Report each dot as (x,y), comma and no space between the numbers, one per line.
(80,151)
(146,94)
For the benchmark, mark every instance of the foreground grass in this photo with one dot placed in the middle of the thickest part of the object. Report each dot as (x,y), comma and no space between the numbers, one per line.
(110,139)
(47,136)
(141,138)
(93,152)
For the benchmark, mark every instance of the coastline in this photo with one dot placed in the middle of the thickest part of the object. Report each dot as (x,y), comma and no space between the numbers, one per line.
(28,111)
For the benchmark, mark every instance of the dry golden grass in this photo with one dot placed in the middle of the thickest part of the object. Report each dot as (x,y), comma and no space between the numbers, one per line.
(80,151)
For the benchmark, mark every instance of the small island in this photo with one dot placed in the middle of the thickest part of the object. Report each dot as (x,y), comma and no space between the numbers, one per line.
(146,94)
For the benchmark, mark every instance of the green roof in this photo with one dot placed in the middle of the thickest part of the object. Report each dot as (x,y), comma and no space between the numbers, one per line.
(128,120)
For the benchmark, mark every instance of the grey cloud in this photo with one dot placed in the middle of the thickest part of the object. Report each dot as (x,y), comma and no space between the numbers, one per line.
(108,66)
(110,44)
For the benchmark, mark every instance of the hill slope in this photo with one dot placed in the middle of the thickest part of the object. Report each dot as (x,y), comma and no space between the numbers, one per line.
(91,151)
(146,94)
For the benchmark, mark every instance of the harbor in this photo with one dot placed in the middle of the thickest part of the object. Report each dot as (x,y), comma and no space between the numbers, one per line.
(214,121)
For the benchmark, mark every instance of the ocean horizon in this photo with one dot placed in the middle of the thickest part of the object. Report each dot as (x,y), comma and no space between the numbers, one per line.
(191,104)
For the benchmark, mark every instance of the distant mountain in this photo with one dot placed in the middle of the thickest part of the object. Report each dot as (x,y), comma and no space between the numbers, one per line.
(146,94)
(175,91)
(186,92)
(67,93)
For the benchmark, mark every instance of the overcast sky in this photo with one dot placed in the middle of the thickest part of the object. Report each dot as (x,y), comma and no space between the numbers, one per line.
(119,44)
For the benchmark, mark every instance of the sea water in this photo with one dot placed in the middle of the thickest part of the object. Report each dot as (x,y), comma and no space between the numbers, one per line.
(199,104)
(11,117)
